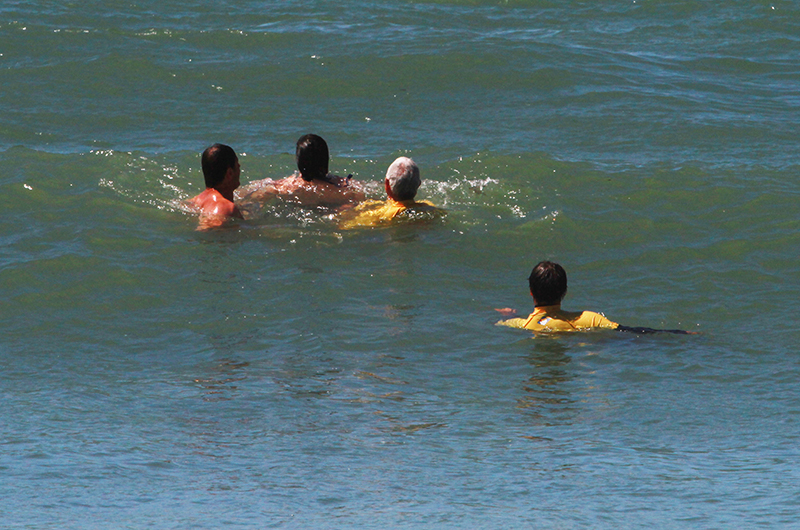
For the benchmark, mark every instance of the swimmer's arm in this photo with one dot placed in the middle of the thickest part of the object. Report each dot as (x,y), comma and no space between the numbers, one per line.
(640,330)
(354,192)
(266,183)
(357,195)
(332,196)
(345,207)
(251,186)
(350,188)
(512,321)
(259,190)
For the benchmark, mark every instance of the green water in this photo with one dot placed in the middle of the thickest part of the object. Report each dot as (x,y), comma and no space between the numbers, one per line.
(284,373)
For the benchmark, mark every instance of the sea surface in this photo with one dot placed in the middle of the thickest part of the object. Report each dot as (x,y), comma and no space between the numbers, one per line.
(282,373)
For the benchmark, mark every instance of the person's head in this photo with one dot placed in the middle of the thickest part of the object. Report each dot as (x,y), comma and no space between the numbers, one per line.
(312,157)
(402,179)
(548,282)
(220,161)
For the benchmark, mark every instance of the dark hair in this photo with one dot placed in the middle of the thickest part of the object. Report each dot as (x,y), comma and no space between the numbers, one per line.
(216,161)
(312,157)
(548,282)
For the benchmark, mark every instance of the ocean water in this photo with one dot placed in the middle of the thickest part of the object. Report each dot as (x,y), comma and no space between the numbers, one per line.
(283,373)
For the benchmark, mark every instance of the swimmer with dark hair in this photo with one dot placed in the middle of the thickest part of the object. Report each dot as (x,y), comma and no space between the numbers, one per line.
(221,172)
(548,284)
(312,184)
(401,184)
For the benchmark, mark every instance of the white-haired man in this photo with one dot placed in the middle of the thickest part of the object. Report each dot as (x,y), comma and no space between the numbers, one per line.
(402,182)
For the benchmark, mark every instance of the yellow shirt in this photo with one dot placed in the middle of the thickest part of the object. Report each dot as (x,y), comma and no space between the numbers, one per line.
(377,213)
(553,318)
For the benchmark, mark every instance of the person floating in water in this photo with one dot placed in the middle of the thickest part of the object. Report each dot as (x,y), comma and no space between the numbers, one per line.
(402,182)
(221,172)
(311,184)
(548,284)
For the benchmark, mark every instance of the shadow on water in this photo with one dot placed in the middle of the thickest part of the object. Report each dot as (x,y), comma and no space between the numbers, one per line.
(221,382)
(547,399)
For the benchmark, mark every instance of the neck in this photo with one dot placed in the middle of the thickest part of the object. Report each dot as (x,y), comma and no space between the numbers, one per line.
(226,193)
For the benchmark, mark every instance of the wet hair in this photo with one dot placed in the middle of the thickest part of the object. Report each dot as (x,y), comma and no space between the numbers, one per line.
(403,178)
(216,161)
(548,282)
(312,157)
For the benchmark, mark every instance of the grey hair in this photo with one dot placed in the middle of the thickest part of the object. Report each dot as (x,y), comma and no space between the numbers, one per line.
(403,178)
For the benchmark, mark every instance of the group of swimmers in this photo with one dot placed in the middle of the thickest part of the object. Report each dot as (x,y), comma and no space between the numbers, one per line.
(313,185)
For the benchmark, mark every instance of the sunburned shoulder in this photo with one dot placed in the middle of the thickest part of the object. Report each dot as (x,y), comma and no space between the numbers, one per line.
(212,202)
(214,209)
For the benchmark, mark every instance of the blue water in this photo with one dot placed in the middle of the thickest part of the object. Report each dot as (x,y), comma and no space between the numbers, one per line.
(283,373)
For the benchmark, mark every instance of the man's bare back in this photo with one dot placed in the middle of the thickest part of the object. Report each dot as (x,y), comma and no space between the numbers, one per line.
(335,191)
(214,209)
(312,184)
(221,172)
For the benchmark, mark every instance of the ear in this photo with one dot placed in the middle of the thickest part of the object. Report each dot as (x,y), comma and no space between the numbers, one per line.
(228,181)
(388,189)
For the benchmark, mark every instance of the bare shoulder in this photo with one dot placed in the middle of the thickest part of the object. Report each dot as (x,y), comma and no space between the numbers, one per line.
(211,202)
(199,201)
